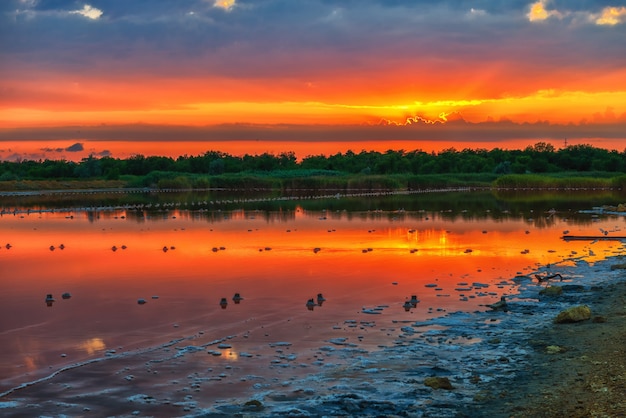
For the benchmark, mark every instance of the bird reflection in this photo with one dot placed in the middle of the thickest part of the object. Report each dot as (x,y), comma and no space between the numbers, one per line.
(223,303)
(49,300)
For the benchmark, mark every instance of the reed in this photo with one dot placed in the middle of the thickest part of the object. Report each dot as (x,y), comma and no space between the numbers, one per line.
(534,181)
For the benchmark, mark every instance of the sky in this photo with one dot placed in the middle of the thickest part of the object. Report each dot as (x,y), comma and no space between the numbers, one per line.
(422,74)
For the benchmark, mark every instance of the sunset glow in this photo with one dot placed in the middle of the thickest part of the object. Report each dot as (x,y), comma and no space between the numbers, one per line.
(248,70)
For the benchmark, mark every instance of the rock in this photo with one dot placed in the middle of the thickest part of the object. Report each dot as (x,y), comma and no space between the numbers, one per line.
(438,383)
(555,349)
(551,291)
(621,266)
(573,314)
(253,405)
(571,288)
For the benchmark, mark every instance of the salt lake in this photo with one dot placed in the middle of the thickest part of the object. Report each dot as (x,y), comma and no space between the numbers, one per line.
(125,303)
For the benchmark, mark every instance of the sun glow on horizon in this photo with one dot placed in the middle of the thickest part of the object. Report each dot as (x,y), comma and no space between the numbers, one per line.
(548,105)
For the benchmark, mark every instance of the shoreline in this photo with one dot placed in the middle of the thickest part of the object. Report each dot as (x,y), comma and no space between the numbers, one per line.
(576,369)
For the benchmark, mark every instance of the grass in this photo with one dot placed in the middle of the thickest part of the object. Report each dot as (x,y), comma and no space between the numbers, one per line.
(561,181)
(321,180)
(31,185)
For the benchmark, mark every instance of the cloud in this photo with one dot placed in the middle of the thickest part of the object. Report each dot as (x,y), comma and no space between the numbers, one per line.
(611,16)
(75,147)
(538,12)
(89,12)
(227,5)
(28,3)
(419,129)
(476,13)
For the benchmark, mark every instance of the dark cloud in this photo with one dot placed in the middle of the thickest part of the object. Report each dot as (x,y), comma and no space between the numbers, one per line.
(458,130)
(277,38)
(75,147)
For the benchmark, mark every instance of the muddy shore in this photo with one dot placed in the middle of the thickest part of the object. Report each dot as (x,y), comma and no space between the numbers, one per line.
(575,370)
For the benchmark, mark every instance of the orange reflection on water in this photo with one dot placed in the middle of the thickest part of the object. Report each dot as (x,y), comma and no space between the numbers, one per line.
(92,346)
(182,263)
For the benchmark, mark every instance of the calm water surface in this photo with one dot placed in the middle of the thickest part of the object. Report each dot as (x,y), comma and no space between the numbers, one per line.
(183,253)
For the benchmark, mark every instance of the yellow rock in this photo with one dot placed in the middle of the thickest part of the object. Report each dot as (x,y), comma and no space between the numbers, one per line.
(573,314)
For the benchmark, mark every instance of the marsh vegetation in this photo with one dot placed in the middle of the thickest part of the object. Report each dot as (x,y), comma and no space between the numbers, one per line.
(538,166)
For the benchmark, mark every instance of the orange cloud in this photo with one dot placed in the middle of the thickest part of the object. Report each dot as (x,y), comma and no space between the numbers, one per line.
(538,12)
(224,4)
(611,16)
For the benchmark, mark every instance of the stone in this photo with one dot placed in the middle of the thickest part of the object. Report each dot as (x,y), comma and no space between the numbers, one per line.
(551,291)
(555,349)
(253,405)
(436,382)
(573,314)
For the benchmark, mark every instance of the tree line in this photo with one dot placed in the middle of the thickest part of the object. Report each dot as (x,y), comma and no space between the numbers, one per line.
(539,158)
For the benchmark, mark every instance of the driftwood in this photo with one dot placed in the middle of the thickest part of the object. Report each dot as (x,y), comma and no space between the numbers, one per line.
(593,238)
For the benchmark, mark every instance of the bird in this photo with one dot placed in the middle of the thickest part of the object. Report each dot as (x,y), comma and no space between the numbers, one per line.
(223,303)
(551,276)
(237,298)
(414,300)
(320,299)
(499,305)
(310,304)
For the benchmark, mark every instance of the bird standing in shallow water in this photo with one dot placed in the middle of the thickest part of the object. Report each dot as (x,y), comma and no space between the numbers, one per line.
(499,305)
(320,299)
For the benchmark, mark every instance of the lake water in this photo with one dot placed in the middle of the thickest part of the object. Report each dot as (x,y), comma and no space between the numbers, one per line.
(98,254)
